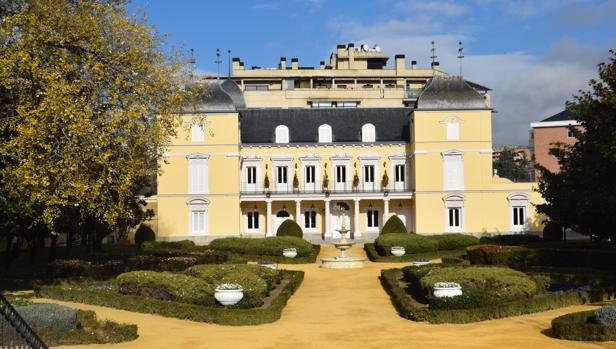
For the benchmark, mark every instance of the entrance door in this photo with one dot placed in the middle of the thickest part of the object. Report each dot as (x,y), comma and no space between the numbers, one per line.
(281,216)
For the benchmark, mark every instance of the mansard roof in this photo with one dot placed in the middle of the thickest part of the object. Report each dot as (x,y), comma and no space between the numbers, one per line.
(217,96)
(257,126)
(447,93)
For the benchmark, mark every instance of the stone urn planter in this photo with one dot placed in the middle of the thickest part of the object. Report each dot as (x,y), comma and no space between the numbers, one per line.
(420,262)
(398,251)
(268,264)
(229,294)
(447,289)
(290,252)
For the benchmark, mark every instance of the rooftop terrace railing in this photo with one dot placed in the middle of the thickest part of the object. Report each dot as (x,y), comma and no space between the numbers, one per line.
(346,188)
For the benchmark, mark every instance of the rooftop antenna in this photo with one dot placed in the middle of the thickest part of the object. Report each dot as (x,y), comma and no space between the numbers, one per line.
(433,50)
(218,61)
(460,55)
(192,62)
(229,64)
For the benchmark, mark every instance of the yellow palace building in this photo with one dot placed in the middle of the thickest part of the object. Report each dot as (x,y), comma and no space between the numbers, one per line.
(303,143)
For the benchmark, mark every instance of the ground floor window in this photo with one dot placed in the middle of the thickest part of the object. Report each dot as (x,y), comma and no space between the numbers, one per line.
(198,221)
(253,220)
(519,216)
(454,217)
(372,219)
(310,219)
(518,206)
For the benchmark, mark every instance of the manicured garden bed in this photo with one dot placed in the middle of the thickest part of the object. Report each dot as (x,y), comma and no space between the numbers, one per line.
(103,294)
(411,301)
(268,249)
(454,256)
(418,246)
(580,326)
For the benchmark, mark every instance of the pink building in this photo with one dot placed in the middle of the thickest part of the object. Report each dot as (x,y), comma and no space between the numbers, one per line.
(545,133)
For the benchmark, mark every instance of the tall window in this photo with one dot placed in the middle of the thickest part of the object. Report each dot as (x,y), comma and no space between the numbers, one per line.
(368,133)
(253,220)
(369,174)
(197,174)
(454,213)
(310,219)
(325,134)
(519,216)
(310,174)
(454,217)
(198,221)
(251,174)
(399,173)
(372,219)
(282,134)
(197,134)
(198,216)
(518,204)
(340,174)
(281,174)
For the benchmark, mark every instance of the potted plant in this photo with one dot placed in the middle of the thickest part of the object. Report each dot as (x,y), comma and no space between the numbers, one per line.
(290,252)
(229,294)
(421,261)
(398,251)
(268,264)
(447,289)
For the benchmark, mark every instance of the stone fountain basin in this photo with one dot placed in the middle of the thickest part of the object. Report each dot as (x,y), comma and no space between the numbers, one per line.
(342,262)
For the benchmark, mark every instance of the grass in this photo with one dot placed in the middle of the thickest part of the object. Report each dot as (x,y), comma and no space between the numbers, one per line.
(374,256)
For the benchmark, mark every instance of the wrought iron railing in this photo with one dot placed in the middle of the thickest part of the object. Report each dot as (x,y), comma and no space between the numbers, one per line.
(14,331)
(333,188)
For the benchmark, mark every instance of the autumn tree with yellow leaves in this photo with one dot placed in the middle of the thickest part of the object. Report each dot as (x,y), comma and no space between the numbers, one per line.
(88,99)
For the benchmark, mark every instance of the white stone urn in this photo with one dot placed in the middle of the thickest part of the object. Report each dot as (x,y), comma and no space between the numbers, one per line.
(398,251)
(270,265)
(229,294)
(290,252)
(447,289)
(420,262)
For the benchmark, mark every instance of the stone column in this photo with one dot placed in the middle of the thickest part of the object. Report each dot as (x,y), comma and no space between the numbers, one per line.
(385,211)
(268,219)
(298,212)
(356,232)
(327,228)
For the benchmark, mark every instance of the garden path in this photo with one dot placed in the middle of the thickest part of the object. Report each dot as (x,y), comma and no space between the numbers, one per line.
(341,309)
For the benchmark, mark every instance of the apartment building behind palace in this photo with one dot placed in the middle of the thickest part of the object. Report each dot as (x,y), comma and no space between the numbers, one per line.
(350,137)
(549,131)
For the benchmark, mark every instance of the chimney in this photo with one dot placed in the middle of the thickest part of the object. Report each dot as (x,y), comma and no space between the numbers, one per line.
(283,63)
(351,49)
(399,63)
(294,63)
(322,65)
(436,66)
(340,50)
(413,64)
(236,63)
(241,65)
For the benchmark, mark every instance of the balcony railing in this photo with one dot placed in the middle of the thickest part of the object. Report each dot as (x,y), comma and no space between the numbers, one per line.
(412,94)
(337,188)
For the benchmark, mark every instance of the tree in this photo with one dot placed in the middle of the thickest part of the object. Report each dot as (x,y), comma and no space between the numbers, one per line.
(89,100)
(583,194)
(513,165)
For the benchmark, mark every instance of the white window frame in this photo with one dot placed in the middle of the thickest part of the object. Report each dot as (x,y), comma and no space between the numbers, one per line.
(281,134)
(251,162)
(197,205)
(198,163)
(311,161)
(197,134)
(282,161)
(347,104)
(325,133)
(322,104)
(570,134)
(368,133)
(518,201)
(307,215)
(453,202)
(372,214)
(345,161)
(449,161)
(251,219)
(400,160)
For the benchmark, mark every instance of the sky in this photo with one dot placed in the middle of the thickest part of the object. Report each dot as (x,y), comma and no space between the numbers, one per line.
(534,54)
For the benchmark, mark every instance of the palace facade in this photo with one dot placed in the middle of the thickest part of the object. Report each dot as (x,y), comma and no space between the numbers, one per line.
(352,135)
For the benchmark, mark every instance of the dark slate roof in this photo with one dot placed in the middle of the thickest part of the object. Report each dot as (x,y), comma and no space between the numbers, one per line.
(450,93)
(257,126)
(219,96)
(564,115)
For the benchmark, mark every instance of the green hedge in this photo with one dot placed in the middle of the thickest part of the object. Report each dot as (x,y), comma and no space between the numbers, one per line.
(448,257)
(454,241)
(271,246)
(510,239)
(412,243)
(408,308)
(290,228)
(576,326)
(223,316)
(167,286)
(170,248)
(394,226)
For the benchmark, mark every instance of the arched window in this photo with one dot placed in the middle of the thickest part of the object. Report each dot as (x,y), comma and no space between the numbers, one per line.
(283,214)
(325,133)
(518,208)
(198,217)
(454,213)
(282,134)
(368,133)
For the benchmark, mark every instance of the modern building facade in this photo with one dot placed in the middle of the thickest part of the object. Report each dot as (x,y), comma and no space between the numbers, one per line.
(351,137)
(547,132)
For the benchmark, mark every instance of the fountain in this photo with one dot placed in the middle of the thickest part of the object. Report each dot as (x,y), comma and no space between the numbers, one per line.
(342,261)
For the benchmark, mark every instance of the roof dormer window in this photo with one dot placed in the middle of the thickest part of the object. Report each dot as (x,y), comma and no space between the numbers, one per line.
(325,133)
(282,134)
(368,133)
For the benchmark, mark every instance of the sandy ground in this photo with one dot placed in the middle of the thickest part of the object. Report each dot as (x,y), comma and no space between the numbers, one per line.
(342,309)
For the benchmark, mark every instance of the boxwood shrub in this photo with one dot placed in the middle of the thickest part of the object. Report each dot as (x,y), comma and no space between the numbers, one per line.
(144,233)
(510,239)
(412,243)
(270,246)
(394,226)
(580,327)
(290,228)
(454,241)
(169,247)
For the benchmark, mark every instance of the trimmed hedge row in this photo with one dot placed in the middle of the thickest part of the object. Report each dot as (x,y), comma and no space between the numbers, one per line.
(270,246)
(448,257)
(525,257)
(408,308)
(414,243)
(291,281)
(577,327)
(510,239)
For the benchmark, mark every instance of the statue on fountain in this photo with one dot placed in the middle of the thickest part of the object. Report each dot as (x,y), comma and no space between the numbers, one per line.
(343,245)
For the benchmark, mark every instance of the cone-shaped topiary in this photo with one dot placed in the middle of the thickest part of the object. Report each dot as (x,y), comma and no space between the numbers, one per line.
(290,228)
(394,226)
(144,233)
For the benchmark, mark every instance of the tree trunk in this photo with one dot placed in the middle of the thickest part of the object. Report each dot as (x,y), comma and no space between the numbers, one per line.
(52,247)
(9,251)
(69,243)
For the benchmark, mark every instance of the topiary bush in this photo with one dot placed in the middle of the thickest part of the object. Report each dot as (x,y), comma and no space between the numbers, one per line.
(454,241)
(168,247)
(167,286)
(394,225)
(271,246)
(412,243)
(606,315)
(144,233)
(290,228)
(49,317)
(471,298)
(552,231)
(581,327)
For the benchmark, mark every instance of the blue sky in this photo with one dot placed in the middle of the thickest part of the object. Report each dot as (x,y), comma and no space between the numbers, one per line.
(534,54)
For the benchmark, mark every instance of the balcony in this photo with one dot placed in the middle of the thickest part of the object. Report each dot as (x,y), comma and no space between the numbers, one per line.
(315,189)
